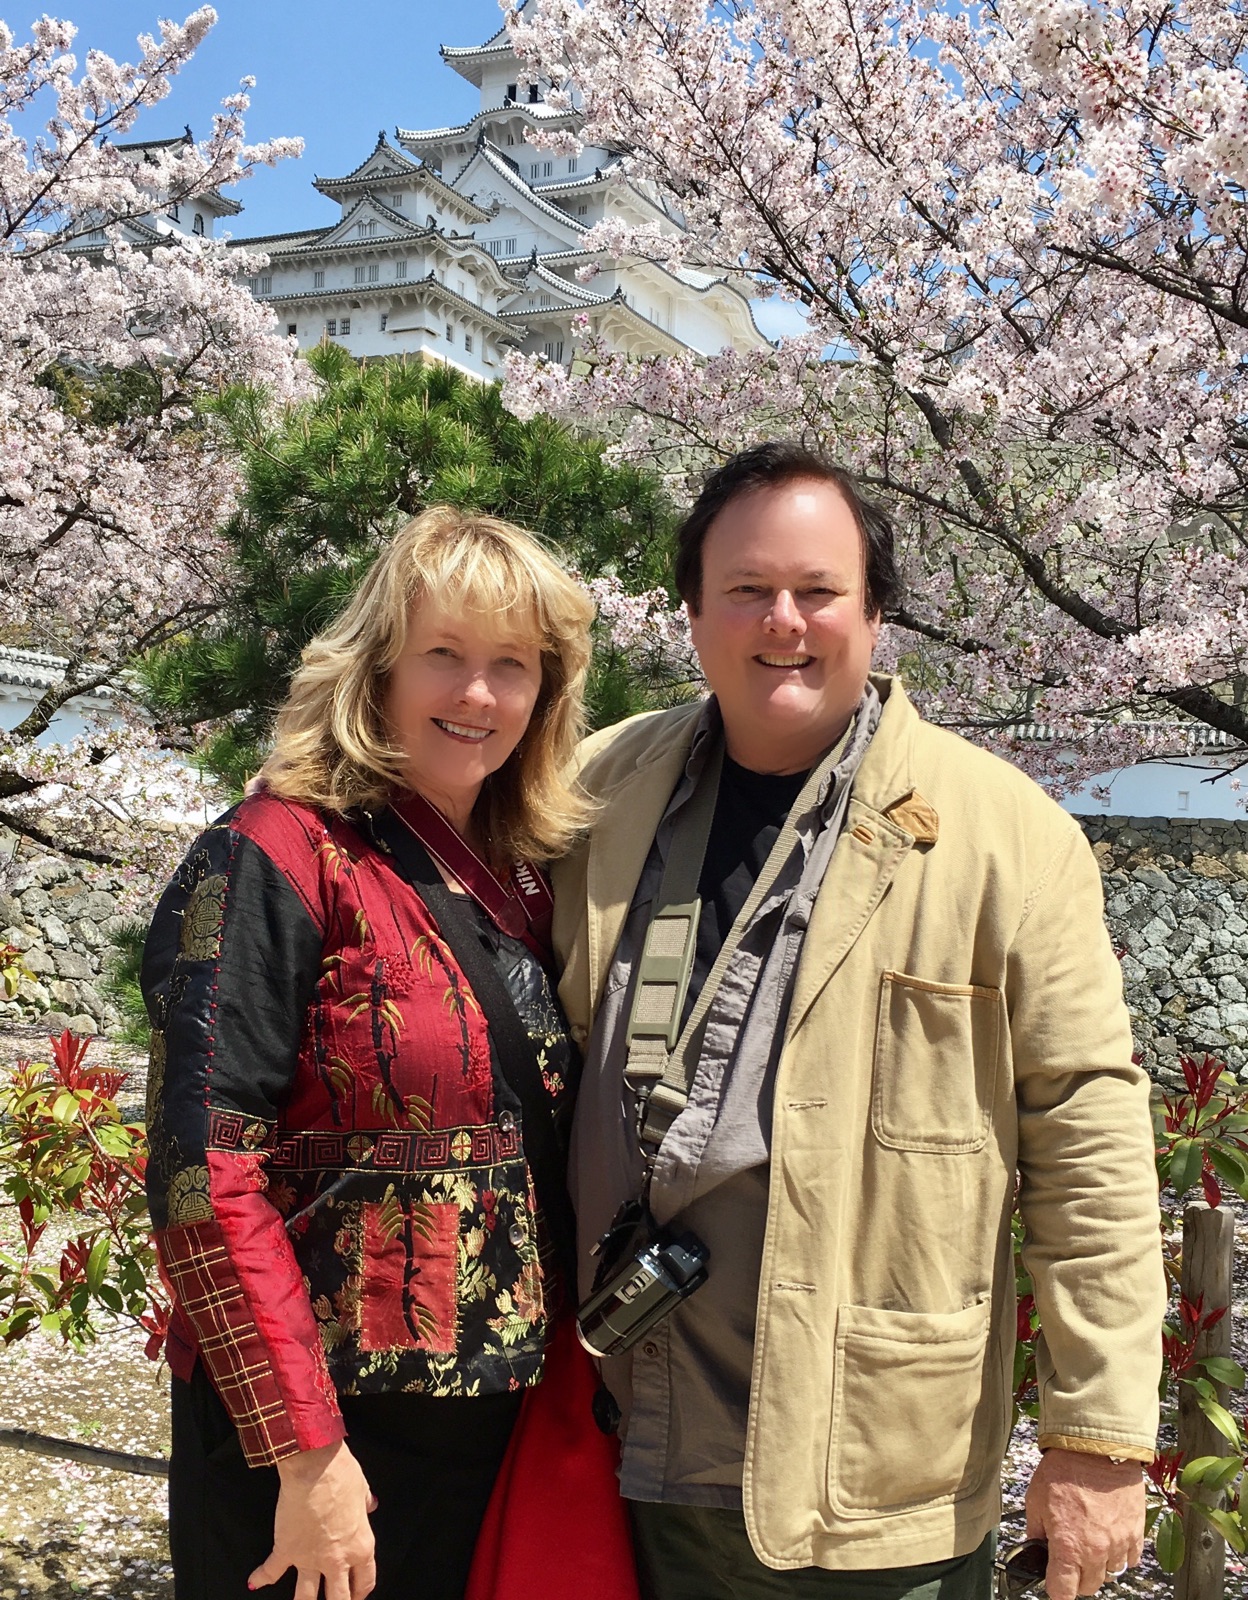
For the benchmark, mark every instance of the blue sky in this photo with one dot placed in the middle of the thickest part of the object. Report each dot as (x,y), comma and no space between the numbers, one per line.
(330,72)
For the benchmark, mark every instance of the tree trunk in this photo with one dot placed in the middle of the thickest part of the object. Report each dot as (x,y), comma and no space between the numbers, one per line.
(1208,1255)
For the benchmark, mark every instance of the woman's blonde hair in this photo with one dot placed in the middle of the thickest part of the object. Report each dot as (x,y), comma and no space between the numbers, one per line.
(333,746)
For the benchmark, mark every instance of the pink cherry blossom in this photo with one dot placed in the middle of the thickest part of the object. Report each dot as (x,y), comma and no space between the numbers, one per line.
(108,515)
(1019,237)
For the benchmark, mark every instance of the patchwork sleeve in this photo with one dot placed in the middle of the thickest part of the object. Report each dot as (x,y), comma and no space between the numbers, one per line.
(230,965)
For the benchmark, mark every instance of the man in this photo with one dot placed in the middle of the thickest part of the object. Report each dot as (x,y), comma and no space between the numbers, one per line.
(910,1001)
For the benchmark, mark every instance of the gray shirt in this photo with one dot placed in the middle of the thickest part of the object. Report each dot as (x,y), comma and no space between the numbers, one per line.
(684,1391)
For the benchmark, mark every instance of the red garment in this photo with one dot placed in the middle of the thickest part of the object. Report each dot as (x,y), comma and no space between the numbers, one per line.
(337,1175)
(556,1528)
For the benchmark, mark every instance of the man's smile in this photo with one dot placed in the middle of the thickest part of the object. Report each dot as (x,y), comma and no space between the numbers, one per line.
(786,662)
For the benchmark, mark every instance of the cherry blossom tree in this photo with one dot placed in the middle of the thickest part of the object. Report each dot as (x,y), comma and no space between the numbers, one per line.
(113,473)
(1018,236)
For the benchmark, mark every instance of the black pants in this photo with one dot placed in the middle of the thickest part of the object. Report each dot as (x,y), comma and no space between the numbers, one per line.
(703,1553)
(431,1464)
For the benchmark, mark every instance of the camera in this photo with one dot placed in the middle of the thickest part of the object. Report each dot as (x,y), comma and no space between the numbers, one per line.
(658,1273)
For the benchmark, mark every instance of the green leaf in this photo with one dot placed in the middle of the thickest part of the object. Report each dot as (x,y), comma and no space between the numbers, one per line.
(1229,1524)
(97,1263)
(65,1107)
(1185,1165)
(1195,1471)
(1230,1165)
(110,1297)
(1168,1542)
(1223,1370)
(1210,1472)
(1222,1420)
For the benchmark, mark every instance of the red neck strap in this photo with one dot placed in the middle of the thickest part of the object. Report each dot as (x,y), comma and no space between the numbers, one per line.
(522,907)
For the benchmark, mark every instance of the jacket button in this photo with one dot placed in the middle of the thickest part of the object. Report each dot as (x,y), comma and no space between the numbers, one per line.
(650,1349)
(517,1234)
(506,1122)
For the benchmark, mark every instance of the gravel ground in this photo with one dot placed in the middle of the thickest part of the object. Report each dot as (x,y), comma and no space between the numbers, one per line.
(68,1530)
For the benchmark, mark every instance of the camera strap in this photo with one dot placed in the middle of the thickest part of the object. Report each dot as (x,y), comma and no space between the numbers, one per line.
(663,1057)
(516,1053)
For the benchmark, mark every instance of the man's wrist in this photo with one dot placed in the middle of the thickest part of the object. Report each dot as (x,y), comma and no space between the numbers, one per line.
(1115,1450)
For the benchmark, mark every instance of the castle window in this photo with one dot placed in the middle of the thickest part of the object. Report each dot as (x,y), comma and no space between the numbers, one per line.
(511,138)
(359,274)
(548,168)
(511,93)
(292,328)
(331,329)
(509,247)
(535,94)
(385,317)
(554,349)
(450,334)
(318,279)
(344,327)
(468,343)
(266,284)
(174,212)
(374,272)
(582,211)
(400,269)
(573,163)
(198,225)
(396,200)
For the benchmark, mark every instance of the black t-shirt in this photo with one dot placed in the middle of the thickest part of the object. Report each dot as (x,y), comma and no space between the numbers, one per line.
(749,813)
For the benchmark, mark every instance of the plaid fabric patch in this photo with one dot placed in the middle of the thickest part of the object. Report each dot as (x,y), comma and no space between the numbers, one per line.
(211,1299)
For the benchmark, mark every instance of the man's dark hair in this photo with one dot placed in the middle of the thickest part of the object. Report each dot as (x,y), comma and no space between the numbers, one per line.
(771,466)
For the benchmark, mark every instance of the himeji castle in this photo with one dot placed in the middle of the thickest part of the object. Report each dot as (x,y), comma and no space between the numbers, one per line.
(465,243)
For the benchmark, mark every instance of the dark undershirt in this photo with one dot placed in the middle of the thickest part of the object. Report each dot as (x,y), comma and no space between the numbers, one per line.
(749,813)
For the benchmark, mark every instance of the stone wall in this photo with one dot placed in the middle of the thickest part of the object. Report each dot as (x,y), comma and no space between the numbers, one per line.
(61,917)
(1176,898)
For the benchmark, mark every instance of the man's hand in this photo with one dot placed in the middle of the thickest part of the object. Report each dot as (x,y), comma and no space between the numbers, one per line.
(1091,1511)
(321,1527)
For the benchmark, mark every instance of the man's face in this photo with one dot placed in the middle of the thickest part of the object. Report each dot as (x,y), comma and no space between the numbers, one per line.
(782,633)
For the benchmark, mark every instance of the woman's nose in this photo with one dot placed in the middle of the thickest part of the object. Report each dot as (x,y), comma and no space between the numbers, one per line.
(476,690)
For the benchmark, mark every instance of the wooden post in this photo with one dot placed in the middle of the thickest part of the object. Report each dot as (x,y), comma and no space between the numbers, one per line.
(1208,1257)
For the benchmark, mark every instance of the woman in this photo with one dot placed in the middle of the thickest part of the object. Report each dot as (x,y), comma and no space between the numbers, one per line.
(338,1177)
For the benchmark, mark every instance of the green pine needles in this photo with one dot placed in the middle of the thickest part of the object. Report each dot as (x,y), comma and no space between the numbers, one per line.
(327,481)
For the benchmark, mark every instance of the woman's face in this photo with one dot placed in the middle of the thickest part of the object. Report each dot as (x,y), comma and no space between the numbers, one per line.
(459,700)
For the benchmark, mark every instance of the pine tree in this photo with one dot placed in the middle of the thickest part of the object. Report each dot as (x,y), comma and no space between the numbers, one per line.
(325,485)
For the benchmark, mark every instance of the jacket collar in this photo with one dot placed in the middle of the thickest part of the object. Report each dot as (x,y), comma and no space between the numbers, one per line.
(884,782)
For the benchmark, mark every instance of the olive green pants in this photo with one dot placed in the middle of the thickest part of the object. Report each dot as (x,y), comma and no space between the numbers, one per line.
(704,1553)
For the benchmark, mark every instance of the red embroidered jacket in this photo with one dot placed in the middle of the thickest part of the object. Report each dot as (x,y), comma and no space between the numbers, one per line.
(337,1174)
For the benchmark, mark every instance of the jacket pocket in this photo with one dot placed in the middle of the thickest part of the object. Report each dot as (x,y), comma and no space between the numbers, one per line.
(937,1049)
(915,1409)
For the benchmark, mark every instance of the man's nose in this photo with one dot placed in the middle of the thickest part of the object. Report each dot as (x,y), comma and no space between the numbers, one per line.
(784,615)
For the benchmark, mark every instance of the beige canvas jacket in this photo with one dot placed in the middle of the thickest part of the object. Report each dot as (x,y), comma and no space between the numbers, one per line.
(957,1018)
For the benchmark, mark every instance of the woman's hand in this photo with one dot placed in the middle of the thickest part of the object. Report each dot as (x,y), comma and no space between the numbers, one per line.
(321,1527)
